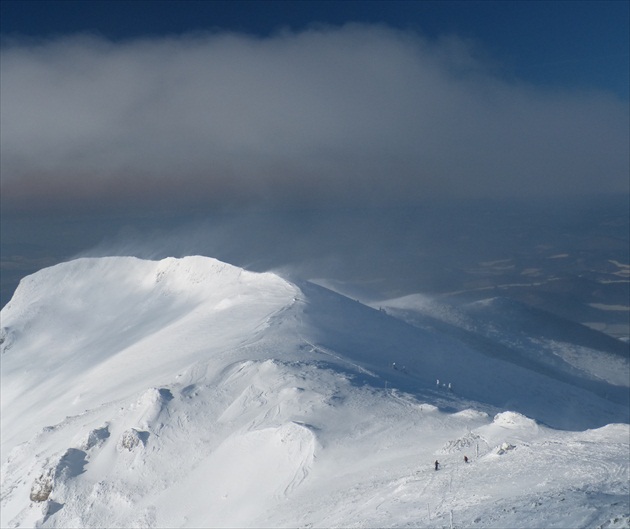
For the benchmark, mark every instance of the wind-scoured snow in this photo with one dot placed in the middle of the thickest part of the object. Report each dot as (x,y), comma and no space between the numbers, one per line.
(93,328)
(191,393)
(510,330)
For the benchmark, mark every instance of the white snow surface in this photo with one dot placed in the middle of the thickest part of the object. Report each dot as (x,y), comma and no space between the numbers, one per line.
(191,393)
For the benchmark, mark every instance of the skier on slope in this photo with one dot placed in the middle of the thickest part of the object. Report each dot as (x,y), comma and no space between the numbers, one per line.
(465,459)
(437,464)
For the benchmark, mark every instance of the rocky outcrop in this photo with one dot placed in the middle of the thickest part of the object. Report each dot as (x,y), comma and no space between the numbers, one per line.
(132,439)
(42,486)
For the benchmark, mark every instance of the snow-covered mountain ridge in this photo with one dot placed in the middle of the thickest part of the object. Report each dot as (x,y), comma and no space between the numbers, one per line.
(188,392)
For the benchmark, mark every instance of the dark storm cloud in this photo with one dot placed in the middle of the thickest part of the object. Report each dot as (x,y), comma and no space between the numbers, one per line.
(354,115)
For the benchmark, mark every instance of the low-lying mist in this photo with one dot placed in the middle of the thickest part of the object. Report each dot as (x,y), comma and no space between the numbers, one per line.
(468,249)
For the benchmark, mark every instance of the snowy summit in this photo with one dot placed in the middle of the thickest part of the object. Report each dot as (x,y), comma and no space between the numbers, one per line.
(192,393)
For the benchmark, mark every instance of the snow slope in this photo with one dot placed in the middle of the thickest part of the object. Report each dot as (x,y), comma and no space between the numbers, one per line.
(538,340)
(191,393)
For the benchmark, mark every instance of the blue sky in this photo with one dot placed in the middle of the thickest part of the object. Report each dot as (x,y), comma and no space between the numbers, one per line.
(562,43)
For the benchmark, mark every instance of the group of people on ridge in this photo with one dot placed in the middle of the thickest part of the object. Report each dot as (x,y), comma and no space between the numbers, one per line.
(437,463)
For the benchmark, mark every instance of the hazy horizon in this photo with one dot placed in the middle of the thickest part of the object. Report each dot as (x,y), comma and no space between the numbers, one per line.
(391,142)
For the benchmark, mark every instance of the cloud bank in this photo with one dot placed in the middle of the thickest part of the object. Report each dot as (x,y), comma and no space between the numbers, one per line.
(354,115)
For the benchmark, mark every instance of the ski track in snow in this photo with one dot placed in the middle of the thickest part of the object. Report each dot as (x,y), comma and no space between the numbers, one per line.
(189,393)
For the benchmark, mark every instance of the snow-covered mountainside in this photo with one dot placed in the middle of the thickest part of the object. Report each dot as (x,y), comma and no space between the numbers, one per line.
(191,393)
(507,329)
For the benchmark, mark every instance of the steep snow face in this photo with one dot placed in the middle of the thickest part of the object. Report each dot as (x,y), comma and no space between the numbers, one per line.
(190,393)
(80,333)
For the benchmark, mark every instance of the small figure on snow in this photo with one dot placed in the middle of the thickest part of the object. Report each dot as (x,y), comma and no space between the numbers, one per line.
(437,464)
(465,459)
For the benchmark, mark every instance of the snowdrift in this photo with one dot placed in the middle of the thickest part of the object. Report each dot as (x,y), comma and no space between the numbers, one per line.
(191,393)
